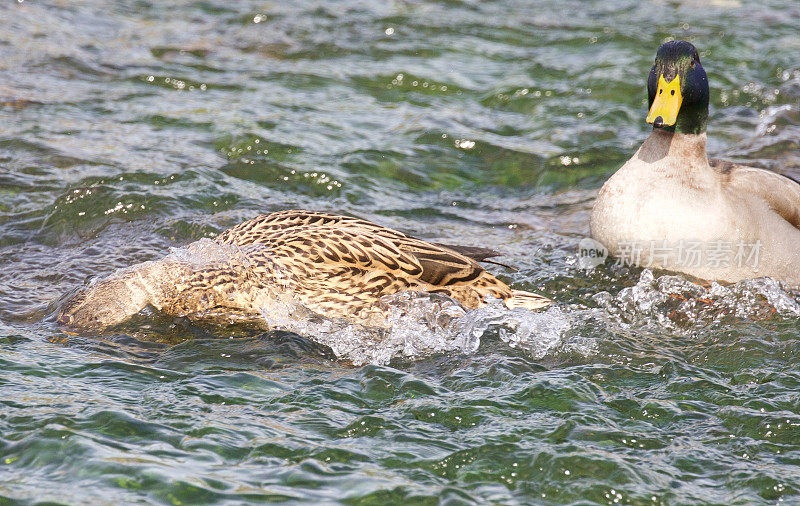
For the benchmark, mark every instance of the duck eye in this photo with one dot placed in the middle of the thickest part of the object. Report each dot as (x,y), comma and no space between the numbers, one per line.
(672,92)
(661,91)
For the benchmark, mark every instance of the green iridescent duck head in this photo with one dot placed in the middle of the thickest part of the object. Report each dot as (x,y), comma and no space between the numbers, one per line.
(677,89)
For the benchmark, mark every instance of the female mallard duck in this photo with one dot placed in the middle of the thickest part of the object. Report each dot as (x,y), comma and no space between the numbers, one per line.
(336,266)
(670,207)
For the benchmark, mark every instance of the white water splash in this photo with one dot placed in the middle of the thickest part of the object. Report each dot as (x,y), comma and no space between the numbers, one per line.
(677,304)
(422,324)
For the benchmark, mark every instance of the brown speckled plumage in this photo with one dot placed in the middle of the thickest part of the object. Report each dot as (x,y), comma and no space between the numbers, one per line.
(336,266)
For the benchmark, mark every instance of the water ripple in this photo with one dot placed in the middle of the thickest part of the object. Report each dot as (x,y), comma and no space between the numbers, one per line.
(128,128)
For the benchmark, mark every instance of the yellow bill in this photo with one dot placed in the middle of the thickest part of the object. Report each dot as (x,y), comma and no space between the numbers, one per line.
(667,103)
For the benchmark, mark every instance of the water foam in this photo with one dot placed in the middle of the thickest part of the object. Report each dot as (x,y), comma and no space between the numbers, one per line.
(420,325)
(677,304)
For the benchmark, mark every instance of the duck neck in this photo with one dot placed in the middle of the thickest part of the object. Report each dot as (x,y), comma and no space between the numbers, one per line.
(686,150)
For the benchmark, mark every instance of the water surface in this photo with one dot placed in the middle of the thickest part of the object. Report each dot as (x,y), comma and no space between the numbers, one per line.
(128,128)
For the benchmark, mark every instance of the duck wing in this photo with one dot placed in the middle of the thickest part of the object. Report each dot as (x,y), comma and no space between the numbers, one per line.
(780,192)
(260,228)
(477,253)
(340,259)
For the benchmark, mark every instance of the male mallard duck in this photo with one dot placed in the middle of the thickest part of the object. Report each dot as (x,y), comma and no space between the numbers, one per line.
(336,266)
(670,207)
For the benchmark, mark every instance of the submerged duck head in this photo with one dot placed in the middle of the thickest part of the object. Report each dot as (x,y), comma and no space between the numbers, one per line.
(678,89)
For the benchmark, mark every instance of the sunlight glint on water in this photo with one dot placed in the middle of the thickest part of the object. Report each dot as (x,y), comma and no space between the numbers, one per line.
(129,128)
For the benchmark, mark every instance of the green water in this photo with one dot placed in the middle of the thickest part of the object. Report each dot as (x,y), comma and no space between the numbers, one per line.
(127,128)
